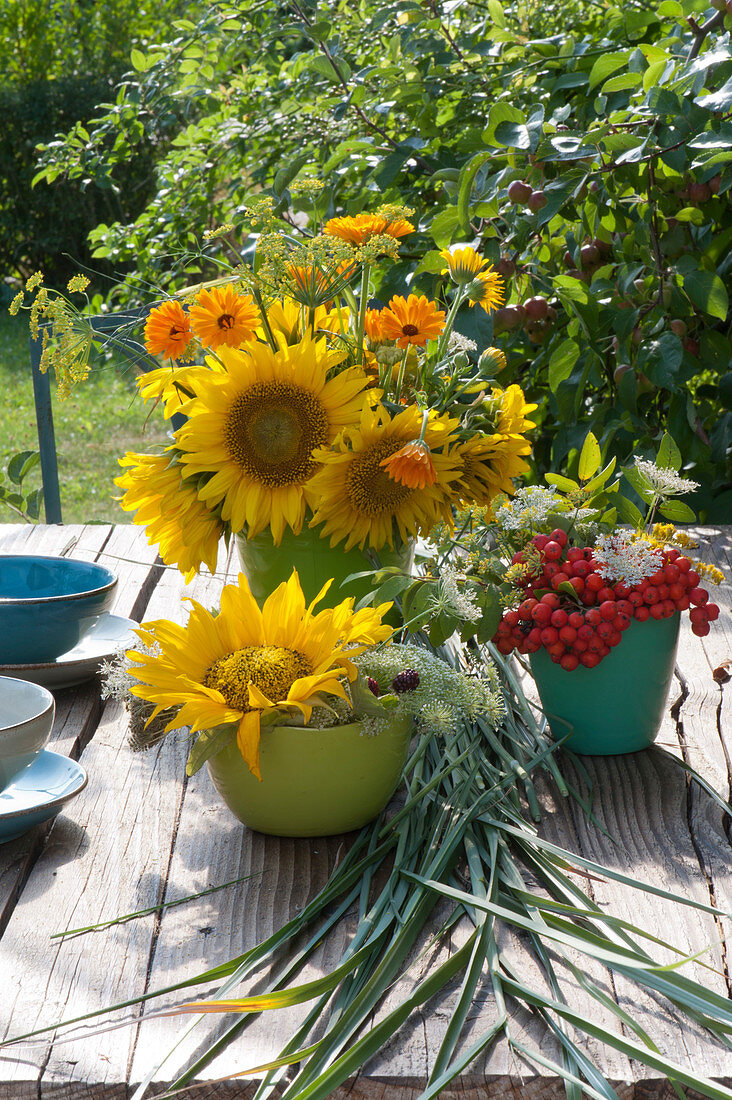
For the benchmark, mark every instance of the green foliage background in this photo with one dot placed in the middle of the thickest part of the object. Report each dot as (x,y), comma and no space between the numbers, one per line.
(60,60)
(620,116)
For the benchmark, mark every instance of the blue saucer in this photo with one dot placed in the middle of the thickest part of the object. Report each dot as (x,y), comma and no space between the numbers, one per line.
(38,793)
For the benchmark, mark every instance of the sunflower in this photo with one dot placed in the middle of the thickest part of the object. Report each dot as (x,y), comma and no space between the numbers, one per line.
(463,264)
(486,290)
(414,320)
(221,317)
(185,530)
(361,228)
(174,386)
(411,465)
(356,499)
(168,331)
(255,427)
(243,664)
(491,461)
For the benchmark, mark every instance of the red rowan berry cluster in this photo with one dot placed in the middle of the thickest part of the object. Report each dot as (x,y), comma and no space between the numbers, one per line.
(582,628)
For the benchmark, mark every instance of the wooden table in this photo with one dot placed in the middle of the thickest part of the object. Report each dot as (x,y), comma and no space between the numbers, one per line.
(139,834)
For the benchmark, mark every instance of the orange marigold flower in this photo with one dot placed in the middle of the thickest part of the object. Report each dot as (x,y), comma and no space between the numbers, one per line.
(221,316)
(362,227)
(168,331)
(373,326)
(414,320)
(486,290)
(463,264)
(411,465)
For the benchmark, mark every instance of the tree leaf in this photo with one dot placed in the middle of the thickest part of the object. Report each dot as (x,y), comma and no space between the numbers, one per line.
(677,511)
(669,455)
(590,458)
(707,292)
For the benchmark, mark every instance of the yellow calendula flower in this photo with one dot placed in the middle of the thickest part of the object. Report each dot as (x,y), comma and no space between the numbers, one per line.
(357,500)
(486,290)
(358,230)
(168,331)
(221,317)
(185,530)
(463,264)
(253,430)
(490,461)
(243,664)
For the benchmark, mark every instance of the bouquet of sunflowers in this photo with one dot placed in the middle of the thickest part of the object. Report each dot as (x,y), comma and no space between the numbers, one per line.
(309,409)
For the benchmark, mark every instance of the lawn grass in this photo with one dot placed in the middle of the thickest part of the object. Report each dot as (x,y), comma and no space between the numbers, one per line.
(94,427)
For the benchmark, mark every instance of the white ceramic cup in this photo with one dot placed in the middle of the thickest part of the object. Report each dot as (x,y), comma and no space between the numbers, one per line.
(26,720)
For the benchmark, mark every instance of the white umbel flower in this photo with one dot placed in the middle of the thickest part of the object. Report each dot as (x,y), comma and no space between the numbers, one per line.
(528,509)
(623,557)
(664,481)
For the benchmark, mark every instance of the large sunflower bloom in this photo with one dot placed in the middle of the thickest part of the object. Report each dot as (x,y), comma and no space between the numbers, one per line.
(173,386)
(243,663)
(168,331)
(255,427)
(486,290)
(361,228)
(356,499)
(413,320)
(221,317)
(186,531)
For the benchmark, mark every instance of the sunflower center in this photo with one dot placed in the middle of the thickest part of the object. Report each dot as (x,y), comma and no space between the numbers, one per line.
(226,321)
(368,486)
(410,330)
(271,668)
(272,429)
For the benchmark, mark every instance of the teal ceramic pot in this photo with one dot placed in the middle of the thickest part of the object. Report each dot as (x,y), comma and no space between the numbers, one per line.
(618,706)
(26,720)
(266,566)
(48,604)
(314,782)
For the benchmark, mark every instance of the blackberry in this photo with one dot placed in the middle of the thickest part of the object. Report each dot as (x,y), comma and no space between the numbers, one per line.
(405,681)
(373,685)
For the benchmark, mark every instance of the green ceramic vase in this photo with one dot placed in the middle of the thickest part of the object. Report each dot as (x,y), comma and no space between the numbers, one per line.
(314,782)
(618,706)
(266,566)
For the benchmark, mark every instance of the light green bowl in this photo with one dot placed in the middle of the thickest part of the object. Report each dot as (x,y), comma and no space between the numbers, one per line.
(314,782)
(618,706)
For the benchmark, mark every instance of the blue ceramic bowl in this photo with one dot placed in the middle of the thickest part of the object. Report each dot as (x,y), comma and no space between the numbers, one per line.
(26,721)
(48,604)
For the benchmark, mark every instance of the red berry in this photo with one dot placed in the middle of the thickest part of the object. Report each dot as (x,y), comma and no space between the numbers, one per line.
(541,614)
(525,609)
(605,630)
(608,609)
(671,572)
(549,636)
(504,646)
(625,607)
(576,619)
(575,553)
(635,599)
(676,591)
(622,591)
(552,551)
(692,578)
(712,611)
(594,582)
(659,577)
(407,680)
(551,599)
(605,594)
(577,584)
(593,616)
(698,595)
(614,639)
(622,621)
(560,536)
(642,613)
(700,629)
(556,651)
(590,660)
(559,578)
(699,615)
(579,646)
(568,635)
(373,685)
(657,611)
(559,618)
(684,603)
(582,568)
(672,554)
(540,541)
(569,662)
(586,633)
(550,569)
(669,608)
